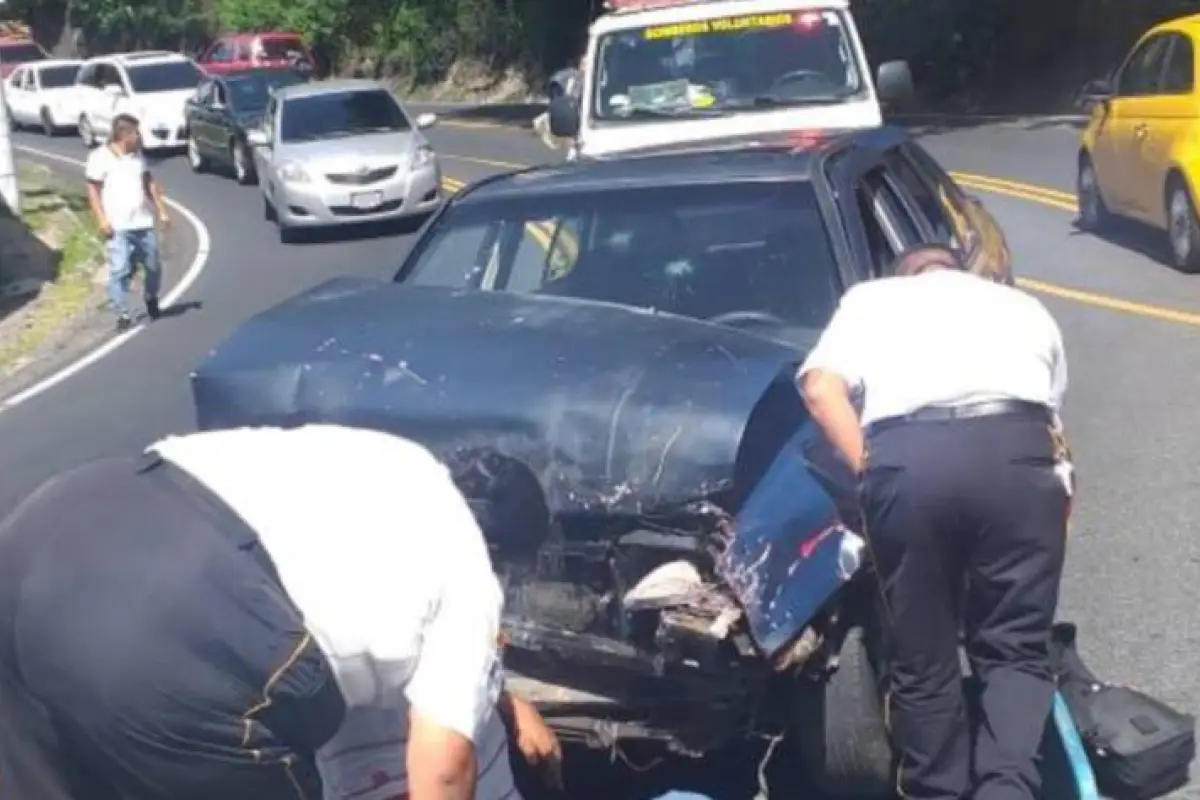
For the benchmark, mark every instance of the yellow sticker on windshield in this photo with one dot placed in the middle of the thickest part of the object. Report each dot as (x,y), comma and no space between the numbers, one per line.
(722,25)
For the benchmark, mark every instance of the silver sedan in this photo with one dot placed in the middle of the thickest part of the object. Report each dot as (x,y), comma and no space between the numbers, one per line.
(343,151)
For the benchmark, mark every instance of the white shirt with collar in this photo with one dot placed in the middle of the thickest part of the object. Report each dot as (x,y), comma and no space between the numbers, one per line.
(122,180)
(942,338)
(384,559)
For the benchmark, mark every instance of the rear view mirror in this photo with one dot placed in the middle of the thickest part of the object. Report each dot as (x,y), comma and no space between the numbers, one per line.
(1094,93)
(426,121)
(894,83)
(564,117)
(114,90)
(257,137)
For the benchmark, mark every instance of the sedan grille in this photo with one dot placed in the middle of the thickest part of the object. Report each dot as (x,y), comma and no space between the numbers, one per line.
(362,178)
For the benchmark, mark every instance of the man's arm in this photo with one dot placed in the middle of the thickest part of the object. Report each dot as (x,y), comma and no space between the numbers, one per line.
(155,194)
(826,377)
(95,174)
(534,738)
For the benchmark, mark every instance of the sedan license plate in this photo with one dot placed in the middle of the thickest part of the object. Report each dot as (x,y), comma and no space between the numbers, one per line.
(366,200)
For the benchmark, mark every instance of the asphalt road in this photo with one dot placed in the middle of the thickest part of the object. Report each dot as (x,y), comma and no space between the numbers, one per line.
(1132,329)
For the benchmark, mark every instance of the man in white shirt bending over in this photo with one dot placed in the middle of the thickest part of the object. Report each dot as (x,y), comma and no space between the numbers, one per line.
(126,201)
(207,621)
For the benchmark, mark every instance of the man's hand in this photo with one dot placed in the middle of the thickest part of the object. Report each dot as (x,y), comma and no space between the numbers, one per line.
(827,398)
(164,219)
(106,229)
(537,743)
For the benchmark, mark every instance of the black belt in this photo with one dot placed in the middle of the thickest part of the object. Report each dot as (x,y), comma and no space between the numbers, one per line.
(990,408)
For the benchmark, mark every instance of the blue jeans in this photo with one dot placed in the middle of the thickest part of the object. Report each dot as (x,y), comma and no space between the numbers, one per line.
(125,250)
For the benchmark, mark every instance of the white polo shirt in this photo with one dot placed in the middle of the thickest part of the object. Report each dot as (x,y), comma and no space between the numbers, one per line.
(942,338)
(123,188)
(383,557)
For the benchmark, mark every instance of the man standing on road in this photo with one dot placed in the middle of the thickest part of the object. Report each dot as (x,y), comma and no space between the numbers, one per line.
(126,202)
(211,620)
(965,489)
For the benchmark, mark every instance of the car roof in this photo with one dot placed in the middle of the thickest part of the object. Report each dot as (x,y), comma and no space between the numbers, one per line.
(787,157)
(658,12)
(53,62)
(140,57)
(335,86)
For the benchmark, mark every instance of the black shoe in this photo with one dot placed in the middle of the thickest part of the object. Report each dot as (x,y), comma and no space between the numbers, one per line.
(124,323)
(152,309)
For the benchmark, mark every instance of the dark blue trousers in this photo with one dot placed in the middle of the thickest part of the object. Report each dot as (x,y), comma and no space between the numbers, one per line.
(148,651)
(967,522)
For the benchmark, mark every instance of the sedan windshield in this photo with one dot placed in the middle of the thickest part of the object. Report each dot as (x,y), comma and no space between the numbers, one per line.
(58,77)
(167,76)
(341,114)
(741,254)
(714,66)
(251,92)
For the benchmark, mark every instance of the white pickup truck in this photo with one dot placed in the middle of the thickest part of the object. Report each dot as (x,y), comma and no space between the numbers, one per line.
(666,71)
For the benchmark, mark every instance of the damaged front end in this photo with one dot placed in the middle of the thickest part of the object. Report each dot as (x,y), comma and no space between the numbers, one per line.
(671,536)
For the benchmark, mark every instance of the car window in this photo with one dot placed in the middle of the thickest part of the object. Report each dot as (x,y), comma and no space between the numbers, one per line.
(251,92)
(923,193)
(219,95)
(17,79)
(340,114)
(756,249)
(890,229)
(166,76)
(1142,73)
(58,77)
(801,57)
(220,53)
(21,53)
(204,92)
(282,47)
(109,76)
(1180,73)
(951,198)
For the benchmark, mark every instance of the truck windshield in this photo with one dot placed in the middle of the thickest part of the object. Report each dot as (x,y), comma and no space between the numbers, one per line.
(708,66)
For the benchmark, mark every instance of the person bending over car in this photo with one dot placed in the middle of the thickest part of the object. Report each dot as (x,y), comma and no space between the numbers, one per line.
(211,618)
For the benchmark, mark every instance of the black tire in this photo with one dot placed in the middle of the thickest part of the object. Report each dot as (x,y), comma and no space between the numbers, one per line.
(1093,212)
(1183,226)
(48,126)
(841,738)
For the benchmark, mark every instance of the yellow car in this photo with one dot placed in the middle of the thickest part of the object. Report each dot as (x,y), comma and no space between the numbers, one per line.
(1140,153)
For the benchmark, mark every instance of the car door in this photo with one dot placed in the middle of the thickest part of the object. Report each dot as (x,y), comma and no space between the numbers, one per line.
(86,88)
(218,122)
(18,96)
(1122,128)
(878,221)
(196,110)
(1165,123)
(107,104)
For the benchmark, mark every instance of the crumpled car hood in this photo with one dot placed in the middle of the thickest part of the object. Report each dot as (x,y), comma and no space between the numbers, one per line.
(615,410)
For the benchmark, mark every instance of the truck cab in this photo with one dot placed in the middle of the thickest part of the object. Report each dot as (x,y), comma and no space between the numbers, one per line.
(667,71)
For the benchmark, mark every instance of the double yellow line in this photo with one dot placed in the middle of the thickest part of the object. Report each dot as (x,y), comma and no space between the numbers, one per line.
(1022,191)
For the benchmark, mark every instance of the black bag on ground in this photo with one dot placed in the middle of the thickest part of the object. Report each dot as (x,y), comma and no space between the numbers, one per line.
(1139,747)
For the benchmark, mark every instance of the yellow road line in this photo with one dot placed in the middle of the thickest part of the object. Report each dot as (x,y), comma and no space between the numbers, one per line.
(1042,195)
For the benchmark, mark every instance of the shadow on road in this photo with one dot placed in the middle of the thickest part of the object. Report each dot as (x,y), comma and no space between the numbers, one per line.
(179,309)
(26,262)
(1134,237)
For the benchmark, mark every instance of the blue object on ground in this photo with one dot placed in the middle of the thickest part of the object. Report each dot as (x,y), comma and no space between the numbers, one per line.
(1066,771)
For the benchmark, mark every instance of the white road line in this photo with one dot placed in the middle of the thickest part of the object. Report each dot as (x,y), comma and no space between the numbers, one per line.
(203,242)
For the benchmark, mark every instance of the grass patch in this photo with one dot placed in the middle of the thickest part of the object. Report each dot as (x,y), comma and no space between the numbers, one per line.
(60,248)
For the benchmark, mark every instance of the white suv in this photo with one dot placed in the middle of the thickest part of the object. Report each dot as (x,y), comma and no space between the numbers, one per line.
(152,86)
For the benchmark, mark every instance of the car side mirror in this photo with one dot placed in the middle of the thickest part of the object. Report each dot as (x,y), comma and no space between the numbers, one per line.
(1094,93)
(257,137)
(426,121)
(564,117)
(894,83)
(113,90)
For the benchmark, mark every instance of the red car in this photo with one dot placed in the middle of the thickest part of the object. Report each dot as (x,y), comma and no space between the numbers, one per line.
(15,52)
(238,52)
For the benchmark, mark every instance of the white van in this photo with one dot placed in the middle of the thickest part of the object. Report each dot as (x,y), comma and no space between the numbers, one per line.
(666,71)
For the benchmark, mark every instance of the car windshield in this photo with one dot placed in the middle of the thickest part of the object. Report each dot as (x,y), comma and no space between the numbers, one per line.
(714,66)
(168,76)
(20,53)
(251,92)
(280,47)
(749,253)
(58,77)
(341,114)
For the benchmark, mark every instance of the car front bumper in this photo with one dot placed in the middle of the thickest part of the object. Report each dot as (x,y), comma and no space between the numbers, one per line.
(318,203)
(163,135)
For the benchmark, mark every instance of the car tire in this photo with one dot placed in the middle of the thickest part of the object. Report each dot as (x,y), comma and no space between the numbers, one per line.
(195,159)
(1093,212)
(840,730)
(1183,226)
(86,134)
(48,126)
(243,164)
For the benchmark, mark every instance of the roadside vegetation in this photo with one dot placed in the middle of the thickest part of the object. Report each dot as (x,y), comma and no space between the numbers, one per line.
(975,52)
(50,260)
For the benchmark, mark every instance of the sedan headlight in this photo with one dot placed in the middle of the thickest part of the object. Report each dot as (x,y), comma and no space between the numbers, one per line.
(293,173)
(423,157)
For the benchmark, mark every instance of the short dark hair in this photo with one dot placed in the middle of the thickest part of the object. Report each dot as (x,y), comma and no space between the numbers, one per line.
(924,257)
(123,122)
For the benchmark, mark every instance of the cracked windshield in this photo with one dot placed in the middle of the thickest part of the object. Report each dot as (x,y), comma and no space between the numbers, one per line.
(710,66)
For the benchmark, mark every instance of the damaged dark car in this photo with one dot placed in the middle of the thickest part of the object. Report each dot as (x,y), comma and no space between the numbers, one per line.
(613,345)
